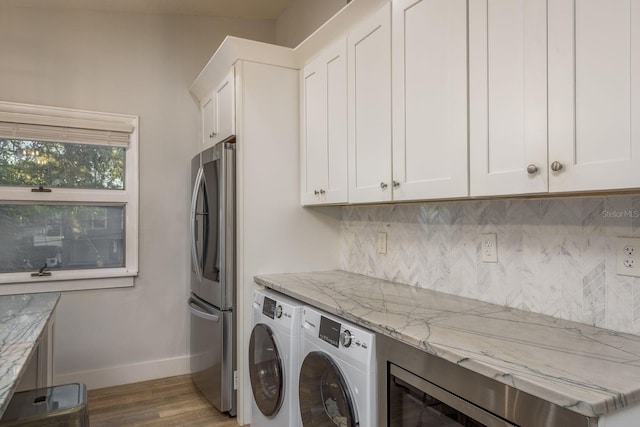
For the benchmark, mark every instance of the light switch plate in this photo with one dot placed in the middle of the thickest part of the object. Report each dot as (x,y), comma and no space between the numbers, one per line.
(489,247)
(628,256)
(382,242)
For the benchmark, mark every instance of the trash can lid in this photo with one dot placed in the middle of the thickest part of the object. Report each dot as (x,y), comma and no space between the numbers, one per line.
(45,401)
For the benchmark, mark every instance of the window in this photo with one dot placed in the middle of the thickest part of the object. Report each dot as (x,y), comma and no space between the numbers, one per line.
(68,198)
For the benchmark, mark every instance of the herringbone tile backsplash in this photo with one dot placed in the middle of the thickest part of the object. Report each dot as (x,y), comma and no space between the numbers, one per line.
(555,256)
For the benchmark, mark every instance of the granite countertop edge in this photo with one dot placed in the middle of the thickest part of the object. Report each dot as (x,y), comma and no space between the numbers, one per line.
(23,321)
(558,381)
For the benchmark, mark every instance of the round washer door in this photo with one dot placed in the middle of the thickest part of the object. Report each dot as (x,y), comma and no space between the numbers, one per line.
(325,400)
(265,370)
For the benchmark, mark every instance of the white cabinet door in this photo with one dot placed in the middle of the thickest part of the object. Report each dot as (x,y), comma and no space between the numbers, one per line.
(225,108)
(207,109)
(218,112)
(594,94)
(369,108)
(429,47)
(508,97)
(324,128)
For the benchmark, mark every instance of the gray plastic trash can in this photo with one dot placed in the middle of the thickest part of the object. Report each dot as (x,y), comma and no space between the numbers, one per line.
(58,406)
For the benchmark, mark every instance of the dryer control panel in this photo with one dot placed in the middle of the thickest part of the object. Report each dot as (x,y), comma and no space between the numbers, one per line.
(339,335)
(345,337)
(329,331)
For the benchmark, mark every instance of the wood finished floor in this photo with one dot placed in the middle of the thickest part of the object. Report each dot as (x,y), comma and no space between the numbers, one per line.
(166,402)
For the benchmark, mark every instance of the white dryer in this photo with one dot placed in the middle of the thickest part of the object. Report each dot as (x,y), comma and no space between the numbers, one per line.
(274,359)
(337,384)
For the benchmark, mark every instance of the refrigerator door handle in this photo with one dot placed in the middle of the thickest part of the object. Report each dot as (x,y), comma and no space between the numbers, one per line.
(197,311)
(194,204)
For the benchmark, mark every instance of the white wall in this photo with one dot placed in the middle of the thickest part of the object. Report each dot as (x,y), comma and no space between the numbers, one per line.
(303,17)
(132,64)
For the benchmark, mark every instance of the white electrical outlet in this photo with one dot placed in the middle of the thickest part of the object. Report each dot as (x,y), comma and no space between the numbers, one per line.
(382,242)
(489,247)
(628,256)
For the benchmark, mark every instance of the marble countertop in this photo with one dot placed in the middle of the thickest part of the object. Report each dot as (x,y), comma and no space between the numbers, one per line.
(588,370)
(23,319)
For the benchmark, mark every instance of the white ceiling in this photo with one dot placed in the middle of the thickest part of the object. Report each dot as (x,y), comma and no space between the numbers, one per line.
(268,9)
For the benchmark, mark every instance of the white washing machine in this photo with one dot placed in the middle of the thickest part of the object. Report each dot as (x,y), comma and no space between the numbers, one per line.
(337,384)
(274,359)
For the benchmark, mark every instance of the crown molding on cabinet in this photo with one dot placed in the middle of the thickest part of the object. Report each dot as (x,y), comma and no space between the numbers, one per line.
(234,49)
(334,28)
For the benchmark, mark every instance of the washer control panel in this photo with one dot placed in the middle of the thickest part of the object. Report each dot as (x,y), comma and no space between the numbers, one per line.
(278,311)
(269,307)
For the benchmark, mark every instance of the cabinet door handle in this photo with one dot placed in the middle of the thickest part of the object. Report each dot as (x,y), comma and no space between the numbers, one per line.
(212,135)
(532,169)
(383,185)
(322,191)
(395,183)
(556,166)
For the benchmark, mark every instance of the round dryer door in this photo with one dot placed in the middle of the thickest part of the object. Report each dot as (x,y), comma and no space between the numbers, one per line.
(265,370)
(325,400)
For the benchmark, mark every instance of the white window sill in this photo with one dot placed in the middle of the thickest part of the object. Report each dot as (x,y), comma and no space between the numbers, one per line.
(61,281)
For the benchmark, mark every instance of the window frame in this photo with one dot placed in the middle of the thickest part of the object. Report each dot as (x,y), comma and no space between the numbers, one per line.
(64,280)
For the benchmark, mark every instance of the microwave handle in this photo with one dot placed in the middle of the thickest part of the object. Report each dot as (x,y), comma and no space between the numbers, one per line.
(194,203)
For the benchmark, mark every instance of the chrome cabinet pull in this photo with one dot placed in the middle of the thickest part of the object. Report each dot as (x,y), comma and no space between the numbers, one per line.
(532,169)
(395,183)
(212,135)
(383,185)
(556,166)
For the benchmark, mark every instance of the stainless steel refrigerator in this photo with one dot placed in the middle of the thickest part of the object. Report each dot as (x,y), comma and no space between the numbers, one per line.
(213,275)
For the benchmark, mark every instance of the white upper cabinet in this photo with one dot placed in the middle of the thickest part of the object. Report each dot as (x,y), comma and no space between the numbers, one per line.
(218,112)
(585,136)
(508,97)
(481,98)
(369,108)
(429,48)
(207,109)
(594,94)
(324,127)
(420,152)
(225,107)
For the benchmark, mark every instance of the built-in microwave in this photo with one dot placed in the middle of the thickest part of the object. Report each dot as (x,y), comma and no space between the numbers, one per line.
(414,401)
(419,389)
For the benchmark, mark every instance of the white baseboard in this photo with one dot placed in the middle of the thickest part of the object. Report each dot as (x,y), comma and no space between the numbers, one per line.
(125,374)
